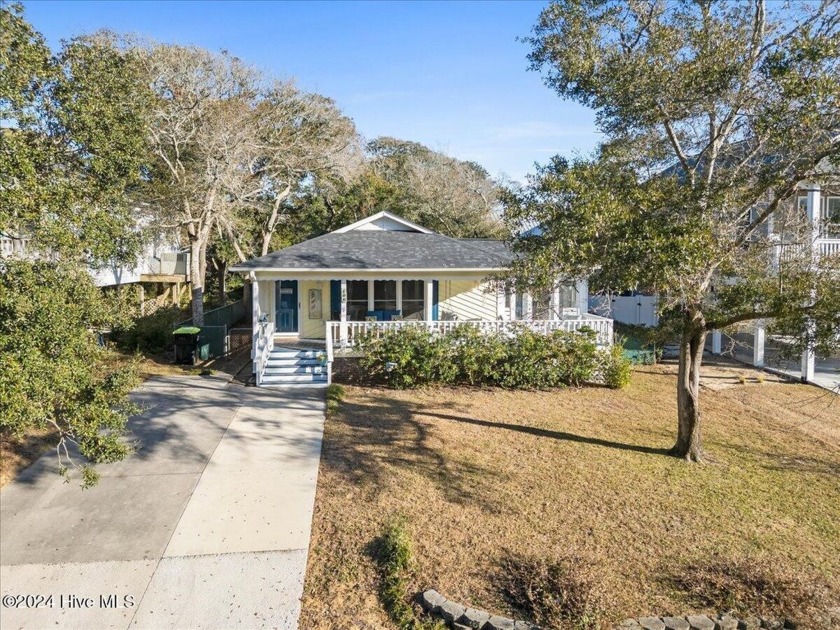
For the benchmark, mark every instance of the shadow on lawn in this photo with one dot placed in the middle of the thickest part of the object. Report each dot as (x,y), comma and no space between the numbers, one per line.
(383,435)
(555,435)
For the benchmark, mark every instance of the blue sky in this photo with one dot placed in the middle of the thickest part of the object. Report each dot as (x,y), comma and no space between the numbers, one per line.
(448,74)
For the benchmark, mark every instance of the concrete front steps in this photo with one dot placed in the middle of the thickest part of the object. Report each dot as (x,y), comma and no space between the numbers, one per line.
(286,366)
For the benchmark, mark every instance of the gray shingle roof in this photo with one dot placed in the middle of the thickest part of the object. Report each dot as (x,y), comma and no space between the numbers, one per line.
(374,249)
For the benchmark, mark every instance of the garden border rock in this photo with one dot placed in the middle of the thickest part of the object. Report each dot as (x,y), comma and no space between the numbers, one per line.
(460,616)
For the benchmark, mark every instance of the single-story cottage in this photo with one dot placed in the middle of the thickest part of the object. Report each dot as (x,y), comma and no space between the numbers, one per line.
(315,298)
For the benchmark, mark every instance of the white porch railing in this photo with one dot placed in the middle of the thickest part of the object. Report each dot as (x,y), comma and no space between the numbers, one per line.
(345,335)
(262,348)
(829,246)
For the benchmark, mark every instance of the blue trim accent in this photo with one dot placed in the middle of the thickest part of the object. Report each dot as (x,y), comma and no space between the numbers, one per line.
(335,300)
(435,298)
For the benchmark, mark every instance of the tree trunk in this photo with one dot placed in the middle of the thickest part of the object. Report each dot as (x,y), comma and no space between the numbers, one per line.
(196,282)
(221,277)
(689,445)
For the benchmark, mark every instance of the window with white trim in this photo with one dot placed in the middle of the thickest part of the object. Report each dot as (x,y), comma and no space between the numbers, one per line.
(357,300)
(412,299)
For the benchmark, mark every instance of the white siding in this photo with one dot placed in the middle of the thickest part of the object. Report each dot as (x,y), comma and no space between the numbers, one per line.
(463,300)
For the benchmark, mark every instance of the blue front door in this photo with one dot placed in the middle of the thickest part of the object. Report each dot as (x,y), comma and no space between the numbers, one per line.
(287,306)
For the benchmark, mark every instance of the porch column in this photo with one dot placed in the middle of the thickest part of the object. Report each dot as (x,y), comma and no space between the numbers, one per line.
(717,338)
(343,314)
(512,305)
(371,303)
(758,343)
(428,299)
(527,307)
(555,303)
(583,296)
(808,356)
(500,303)
(399,297)
(255,315)
(812,207)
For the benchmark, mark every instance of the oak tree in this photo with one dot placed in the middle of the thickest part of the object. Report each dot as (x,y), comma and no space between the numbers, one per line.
(714,115)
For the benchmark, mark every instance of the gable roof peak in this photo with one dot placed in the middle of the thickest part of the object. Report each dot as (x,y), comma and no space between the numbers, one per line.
(380,221)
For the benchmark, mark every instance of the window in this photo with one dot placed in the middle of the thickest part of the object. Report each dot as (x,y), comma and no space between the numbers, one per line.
(357,302)
(542,305)
(568,296)
(542,301)
(802,202)
(385,295)
(412,299)
(831,220)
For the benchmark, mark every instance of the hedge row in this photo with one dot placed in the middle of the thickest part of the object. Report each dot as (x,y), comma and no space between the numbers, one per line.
(523,359)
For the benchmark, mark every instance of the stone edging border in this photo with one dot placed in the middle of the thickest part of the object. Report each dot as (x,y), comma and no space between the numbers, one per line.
(705,622)
(460,617)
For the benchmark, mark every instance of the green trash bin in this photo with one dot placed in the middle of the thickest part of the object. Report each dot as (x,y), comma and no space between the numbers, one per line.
(187,344)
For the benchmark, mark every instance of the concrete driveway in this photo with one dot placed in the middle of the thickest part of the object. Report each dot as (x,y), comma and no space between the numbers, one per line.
(206,526)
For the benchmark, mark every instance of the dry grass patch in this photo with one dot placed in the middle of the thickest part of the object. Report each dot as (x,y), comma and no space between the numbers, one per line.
(483,476)
(16,453)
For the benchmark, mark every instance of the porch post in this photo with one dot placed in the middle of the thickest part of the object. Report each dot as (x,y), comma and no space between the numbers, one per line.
(812,207)
(399,297)
(500,303)
(808,357)
(512,305)
(428,299)
(717,338)
(528,307)
(371,303)
(758,343)
(555,302)
(255,315)
(343,314)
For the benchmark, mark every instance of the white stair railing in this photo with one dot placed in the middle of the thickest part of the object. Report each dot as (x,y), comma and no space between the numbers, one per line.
(265,344)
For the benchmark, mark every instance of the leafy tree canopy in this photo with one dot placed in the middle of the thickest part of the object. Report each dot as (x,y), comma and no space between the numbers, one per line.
(71,147)
(72,142)
(713,114)
(440,192)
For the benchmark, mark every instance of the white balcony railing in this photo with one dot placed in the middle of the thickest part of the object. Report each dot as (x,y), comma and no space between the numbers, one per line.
(345,335)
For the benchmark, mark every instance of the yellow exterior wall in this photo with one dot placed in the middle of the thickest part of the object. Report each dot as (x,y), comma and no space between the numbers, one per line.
(463,300)
(313,328)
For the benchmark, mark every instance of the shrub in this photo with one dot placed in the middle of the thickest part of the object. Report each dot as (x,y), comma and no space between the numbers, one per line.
(554,593)
(409,357)
(477,355)
(335,394)
(412,356)
(150,334)
(616,368)
(395,561)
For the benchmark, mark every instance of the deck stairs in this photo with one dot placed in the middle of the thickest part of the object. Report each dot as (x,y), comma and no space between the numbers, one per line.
(294,367)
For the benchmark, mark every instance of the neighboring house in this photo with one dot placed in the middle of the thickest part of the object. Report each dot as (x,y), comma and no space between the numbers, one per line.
(162,262)
(819,202)
(384,272)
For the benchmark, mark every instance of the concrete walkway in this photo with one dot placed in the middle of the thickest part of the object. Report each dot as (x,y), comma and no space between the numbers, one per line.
(206,526)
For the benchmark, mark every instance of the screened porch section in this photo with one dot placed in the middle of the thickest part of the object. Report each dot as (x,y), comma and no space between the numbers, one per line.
(383,300)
